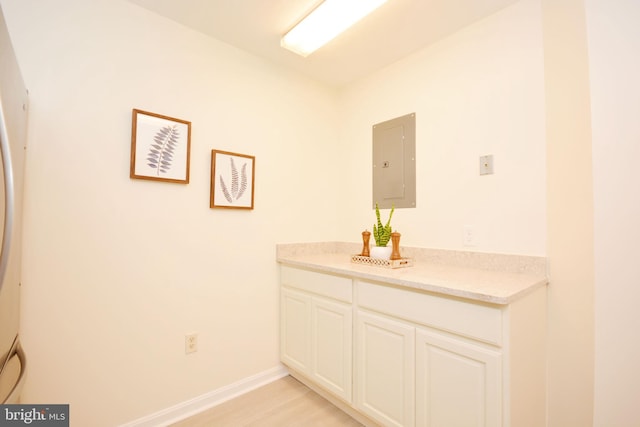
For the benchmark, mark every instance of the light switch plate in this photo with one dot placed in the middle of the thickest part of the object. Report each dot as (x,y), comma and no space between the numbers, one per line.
(486,165)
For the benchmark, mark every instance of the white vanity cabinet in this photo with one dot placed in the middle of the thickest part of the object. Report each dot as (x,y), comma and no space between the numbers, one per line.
(295,330)
(403,356)
(448,367)
(316,328)
(458,383)
(385,369)
(407,375)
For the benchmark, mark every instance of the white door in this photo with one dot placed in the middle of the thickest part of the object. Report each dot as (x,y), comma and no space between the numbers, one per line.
(458,383)
(331,345)
(385,369)
(295,330)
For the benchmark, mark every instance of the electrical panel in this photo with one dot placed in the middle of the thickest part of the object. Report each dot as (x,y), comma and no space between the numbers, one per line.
(394,163)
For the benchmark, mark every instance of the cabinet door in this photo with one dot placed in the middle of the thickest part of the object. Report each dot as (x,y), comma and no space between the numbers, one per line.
(332,345)
(385,369)
(295,330)
(458,383)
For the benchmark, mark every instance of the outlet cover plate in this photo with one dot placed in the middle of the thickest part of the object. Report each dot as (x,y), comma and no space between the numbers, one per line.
(190,343)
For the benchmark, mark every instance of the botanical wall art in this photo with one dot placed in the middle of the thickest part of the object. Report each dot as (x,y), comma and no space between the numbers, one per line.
(160,147)
(232,180)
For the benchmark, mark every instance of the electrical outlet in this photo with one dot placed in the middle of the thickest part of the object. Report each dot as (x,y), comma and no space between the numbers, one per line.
(190,343)
(468,236)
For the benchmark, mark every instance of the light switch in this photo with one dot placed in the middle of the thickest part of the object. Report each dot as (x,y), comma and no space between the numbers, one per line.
(486,165)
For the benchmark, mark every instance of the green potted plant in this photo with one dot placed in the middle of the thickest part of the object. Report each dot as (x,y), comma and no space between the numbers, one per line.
(382,234)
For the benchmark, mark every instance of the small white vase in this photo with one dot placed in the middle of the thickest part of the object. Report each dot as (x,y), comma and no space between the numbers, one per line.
(380,252)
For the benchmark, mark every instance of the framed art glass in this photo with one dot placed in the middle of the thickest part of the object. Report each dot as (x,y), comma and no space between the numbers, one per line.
(232,180)
(160,147)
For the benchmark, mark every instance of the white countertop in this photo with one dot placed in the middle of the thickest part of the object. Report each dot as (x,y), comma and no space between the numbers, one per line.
(492,278)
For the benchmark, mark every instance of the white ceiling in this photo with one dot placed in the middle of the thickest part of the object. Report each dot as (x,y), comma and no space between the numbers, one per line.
(390,33)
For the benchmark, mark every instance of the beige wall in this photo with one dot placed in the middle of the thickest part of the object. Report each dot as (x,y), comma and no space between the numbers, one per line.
(614,67)
(479,91)
(117,271)
(108,297)
(570,215)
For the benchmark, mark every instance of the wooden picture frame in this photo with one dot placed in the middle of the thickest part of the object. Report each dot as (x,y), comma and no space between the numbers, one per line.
(160,147)
(232,180)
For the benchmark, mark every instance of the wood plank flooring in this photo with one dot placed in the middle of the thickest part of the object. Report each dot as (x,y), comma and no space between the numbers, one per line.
(282,403)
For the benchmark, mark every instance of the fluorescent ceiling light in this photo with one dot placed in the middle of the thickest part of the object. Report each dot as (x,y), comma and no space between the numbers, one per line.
(325,22)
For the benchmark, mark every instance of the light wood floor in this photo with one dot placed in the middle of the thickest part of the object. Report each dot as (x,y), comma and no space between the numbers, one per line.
(282,403)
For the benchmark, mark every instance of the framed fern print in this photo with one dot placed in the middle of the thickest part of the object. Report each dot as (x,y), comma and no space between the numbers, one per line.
(160,147)
(232,180)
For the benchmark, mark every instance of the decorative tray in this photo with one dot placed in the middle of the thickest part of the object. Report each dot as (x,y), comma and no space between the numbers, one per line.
(378,262)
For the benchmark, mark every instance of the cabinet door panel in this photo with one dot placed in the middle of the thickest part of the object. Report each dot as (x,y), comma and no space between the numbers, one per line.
(458,383)
(332,346)
(385,367)
(295,330)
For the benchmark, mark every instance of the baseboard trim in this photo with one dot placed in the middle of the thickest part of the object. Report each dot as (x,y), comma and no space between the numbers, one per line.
(206,401)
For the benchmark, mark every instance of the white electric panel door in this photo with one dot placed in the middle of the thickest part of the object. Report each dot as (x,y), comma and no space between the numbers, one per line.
(394,163)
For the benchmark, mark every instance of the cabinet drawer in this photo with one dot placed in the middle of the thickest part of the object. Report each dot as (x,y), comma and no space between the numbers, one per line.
(329,285)
(478,321)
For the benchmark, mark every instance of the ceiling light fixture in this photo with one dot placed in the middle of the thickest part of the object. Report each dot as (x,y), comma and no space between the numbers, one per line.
(325,22)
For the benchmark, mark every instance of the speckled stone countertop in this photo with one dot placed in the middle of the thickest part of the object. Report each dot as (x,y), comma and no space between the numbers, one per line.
(491,278)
